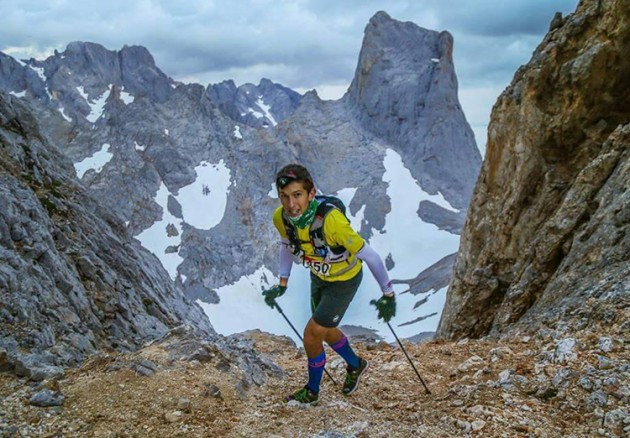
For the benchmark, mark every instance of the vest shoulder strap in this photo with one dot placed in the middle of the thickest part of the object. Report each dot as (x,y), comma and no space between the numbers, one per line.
(316,230)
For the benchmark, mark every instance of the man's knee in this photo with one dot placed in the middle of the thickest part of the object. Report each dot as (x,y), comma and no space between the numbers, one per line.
(314,332)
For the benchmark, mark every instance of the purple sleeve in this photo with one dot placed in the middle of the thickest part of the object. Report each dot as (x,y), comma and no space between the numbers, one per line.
(377,267)
(286,259)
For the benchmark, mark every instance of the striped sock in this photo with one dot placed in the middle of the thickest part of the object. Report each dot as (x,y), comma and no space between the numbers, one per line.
(316,371)
(343,349)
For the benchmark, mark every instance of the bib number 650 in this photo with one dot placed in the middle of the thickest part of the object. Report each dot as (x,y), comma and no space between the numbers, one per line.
(321,268)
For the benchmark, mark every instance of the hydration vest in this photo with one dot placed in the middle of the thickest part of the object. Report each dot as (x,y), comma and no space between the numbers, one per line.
(332,254)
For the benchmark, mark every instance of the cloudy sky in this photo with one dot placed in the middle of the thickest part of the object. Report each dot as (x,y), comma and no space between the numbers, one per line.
(302,44)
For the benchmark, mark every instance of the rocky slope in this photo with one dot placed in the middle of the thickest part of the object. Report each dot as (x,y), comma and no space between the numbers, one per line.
(405,92)
(544,386)
(72,282)
(547,238)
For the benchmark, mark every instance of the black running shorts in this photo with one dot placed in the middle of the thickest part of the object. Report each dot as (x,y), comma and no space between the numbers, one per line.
(330,299)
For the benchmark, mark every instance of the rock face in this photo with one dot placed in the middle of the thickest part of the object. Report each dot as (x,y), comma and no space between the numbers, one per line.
(405,92)
(257,106)
(71,280)
(548,231)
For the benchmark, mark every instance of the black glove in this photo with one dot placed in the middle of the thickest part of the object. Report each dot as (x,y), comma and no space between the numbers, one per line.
(386,307)
(273,293)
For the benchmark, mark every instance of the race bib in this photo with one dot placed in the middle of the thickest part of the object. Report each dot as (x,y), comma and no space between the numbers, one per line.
(316,267)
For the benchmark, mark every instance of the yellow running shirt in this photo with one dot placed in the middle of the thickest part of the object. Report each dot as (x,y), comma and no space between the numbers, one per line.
(338,232)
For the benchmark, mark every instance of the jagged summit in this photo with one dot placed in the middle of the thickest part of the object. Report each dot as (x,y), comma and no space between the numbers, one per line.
(405,92)
(259,106)
(87,74)
(97,69)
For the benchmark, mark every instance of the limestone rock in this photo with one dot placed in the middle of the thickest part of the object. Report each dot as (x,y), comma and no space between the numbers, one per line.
(404,75)
(69,271)
(47,398)
(548,230)
(261,106)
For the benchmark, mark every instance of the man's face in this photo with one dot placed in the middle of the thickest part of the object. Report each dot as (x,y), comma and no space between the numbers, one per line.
(295,198)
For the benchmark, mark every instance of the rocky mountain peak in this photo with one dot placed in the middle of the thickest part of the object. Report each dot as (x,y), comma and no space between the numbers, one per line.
(405,92)
(140,55)
(82,77)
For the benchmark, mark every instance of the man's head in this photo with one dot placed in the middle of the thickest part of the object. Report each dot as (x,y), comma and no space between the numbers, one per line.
(295,189)
(294,172)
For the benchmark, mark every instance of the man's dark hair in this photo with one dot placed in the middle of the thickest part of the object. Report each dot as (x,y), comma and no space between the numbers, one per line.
(294,172)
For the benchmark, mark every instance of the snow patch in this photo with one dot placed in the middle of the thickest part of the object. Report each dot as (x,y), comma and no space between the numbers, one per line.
(439,200)
(39,71)
(237,132)
(95,162)
(138,147)
(98,105)
(266,109)
(20,94)
(126,97)
(64,115)
(203,205)
(346,196)
(414,246)
(83,94)
(242,306)
(273,193)
(256,114)
(204,201)
(156,238)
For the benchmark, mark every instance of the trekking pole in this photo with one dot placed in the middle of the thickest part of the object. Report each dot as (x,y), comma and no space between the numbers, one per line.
(298,335)
(408,358)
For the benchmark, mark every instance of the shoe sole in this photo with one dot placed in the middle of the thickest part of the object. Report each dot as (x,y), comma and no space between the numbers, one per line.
(367,367)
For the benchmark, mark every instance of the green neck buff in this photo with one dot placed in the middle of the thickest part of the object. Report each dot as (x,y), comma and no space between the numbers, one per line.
(306,218)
